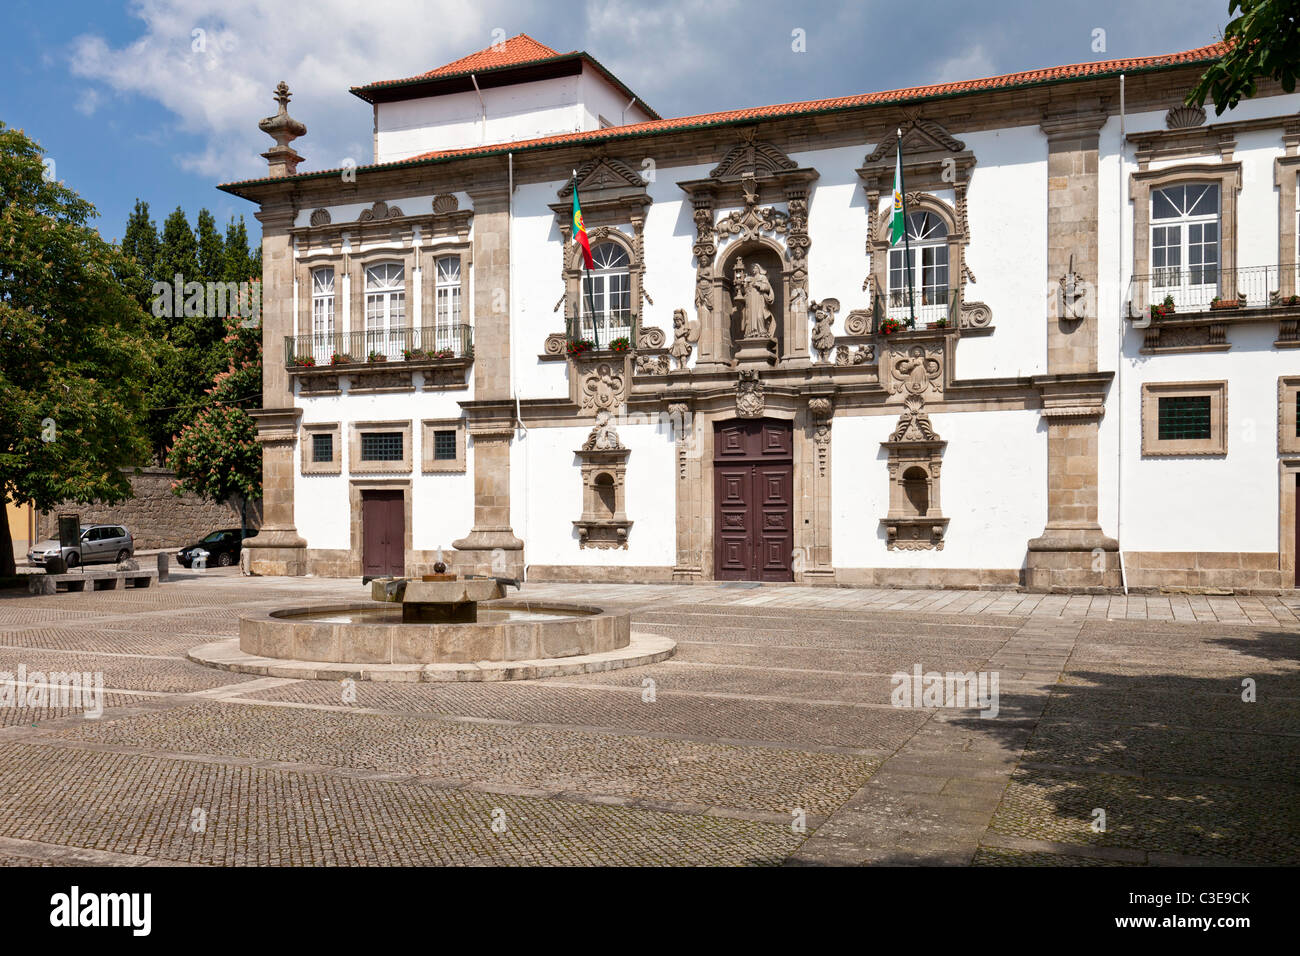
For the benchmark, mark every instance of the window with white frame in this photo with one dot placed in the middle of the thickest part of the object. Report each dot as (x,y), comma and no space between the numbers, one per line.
(385,309)
(446,302)
(322,313)
(922,263)
(1185,243)
(606,301)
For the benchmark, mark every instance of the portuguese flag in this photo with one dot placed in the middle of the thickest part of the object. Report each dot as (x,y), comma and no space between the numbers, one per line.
(899,223)
(579,227)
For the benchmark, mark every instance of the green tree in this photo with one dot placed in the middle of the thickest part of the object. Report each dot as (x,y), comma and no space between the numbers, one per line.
(178,251)
(140,242)
(217,456)
(1263,43)
(74,346)
(241,264)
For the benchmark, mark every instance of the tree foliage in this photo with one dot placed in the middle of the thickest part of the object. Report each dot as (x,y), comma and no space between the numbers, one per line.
(217,456)
(192,349)
(1263,43)
(75,350)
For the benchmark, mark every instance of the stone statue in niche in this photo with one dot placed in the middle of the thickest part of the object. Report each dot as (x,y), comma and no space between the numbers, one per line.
(603,436)
(1074,294)
(753,295)
(685,335)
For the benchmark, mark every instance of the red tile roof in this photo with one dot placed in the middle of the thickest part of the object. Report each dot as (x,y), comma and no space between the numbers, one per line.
(516,51)
(1026,78)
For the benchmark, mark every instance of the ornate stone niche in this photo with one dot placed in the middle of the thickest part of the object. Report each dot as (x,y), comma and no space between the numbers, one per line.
(751,178)
(915,521)
(613,195)
(603,460)
(933,160)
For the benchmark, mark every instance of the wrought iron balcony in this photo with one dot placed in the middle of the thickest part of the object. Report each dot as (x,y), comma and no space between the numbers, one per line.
(928,306)
(417,344)
(1170,292)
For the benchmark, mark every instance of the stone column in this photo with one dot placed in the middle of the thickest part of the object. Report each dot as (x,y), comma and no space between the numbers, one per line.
(491,546)
(1072,553)
(277,548)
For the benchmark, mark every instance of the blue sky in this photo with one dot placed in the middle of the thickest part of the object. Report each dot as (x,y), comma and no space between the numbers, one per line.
(130,101)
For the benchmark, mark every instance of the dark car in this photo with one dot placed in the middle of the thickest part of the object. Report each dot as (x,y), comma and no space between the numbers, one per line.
(221,547)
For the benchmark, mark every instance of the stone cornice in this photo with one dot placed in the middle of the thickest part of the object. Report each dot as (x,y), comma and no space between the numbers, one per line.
(1073,395)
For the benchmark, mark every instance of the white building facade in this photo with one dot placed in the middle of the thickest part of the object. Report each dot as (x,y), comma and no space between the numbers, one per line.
(1079,372)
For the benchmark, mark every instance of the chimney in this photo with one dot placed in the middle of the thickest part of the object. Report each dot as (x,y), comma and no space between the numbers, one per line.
(281,159)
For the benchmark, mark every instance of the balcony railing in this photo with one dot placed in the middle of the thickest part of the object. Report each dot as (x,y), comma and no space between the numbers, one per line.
(391,345)
(1207,288)
(607,327)
(927,306)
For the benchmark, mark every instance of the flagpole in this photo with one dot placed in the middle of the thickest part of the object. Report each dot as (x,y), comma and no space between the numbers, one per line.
(595,333)
(907,246)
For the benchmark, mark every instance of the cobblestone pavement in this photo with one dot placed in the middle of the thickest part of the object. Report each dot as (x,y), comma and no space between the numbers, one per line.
(1121,738)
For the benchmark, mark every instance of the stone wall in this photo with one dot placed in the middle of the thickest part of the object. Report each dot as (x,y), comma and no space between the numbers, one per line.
(154,516)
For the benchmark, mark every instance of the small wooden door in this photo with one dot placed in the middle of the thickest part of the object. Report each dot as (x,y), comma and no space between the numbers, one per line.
(753,495)
(383,534)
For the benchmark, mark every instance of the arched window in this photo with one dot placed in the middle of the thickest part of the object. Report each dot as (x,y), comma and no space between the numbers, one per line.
(1185,243)
(446,302)
(605,306)
(916,491)
(924,262)
(322,313)
(385,309)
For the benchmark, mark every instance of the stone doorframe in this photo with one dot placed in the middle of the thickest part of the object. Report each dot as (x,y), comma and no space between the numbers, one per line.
(1288,468)
(357,534)
(810,419)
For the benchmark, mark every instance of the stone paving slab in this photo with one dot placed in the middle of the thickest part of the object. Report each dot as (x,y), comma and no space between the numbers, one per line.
(549,759)
(138,805)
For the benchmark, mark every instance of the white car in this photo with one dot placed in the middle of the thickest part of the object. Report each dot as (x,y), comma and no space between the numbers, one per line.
(99,542)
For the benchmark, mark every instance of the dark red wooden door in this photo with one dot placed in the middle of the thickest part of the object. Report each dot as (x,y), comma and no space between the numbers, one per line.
(753,494)
(383,533)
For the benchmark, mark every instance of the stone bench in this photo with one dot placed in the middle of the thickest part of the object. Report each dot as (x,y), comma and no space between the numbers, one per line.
(98,581)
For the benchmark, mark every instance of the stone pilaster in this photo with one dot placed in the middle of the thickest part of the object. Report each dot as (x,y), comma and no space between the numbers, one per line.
(277,548)
(688,482)
(816,537)
(491,546)
(1072,553)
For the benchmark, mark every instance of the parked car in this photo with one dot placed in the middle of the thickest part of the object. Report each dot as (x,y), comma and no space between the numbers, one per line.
(99,542)
(221,547)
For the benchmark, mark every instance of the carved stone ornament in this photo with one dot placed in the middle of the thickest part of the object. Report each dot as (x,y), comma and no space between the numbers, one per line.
(379,211)
(914,424)
(861,355)
(556,344)
(1184,117)
(603,386)
(603,435)
(750,399)
(282,159)
(650,338)
(916,371)
(752,157)
(685,335)
(858,322)
(752,220)
(445,203)
(652,365)
(320,217)
(823,335)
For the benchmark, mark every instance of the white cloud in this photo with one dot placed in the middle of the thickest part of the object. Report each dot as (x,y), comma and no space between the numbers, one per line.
(89,101)
(972,64)
(217,82)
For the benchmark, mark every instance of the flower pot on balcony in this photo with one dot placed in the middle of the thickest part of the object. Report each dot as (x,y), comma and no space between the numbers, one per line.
(1226,304)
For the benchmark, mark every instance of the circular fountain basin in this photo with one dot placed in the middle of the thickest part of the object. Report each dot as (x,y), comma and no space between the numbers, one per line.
(374,634)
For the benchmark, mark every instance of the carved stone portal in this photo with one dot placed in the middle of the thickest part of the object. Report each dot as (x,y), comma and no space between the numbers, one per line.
(915,521)
(603,461)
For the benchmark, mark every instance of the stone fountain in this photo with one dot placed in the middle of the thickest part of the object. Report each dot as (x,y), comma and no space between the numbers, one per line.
(444,627)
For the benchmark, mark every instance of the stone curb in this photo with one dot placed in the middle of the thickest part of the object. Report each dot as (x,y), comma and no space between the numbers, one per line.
(642,649)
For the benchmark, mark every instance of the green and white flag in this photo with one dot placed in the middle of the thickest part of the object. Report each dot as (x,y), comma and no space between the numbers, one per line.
(898,224)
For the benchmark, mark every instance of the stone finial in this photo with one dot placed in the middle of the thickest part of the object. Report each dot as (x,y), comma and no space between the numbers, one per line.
(281,158)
